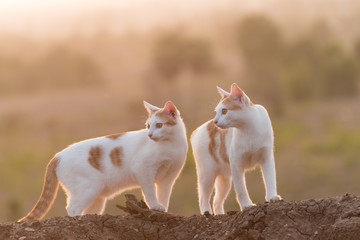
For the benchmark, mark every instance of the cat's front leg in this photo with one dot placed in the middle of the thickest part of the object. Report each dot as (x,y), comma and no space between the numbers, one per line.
(147,184)
(165,184)
(269,174)
(163,191)
(238,174)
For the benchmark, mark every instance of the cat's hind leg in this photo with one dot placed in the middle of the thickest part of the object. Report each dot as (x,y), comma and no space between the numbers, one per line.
(206,180)
(238,175)
(222,189)
(96,207)
(80,199)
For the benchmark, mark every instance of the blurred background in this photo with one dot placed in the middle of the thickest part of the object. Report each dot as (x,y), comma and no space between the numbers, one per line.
(72,70)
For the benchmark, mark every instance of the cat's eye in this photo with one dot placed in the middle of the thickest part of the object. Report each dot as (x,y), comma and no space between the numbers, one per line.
(148,125)
(224,111)
(159,125)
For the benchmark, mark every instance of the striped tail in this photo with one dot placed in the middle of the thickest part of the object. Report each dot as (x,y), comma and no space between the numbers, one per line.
(48,194)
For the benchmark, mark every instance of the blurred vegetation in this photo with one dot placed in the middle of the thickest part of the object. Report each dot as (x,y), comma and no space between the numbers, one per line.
(329,71)
(175,53)
(263,50)
(314,66)
(54,94)
(60,68)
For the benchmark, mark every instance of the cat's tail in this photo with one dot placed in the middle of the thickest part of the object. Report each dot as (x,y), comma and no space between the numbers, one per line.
(48,194)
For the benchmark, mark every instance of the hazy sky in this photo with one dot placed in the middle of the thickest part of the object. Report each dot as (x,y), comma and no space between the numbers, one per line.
(59,17)
(39,16)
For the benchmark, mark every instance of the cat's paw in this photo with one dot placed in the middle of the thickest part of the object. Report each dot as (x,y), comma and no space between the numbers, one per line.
(207,214)
(275,198)
(206,210)
(247,206)
(158,207)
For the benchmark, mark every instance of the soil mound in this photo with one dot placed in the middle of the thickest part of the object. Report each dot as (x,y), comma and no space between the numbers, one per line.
(330,218)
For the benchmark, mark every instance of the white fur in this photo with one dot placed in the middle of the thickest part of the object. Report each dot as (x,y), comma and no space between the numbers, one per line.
(249,131)
(152,165)
(209,172)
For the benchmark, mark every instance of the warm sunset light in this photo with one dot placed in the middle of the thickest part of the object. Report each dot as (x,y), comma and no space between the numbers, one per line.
(75,70)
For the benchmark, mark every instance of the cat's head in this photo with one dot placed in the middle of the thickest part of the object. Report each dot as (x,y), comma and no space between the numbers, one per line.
(161,122)
(233,108)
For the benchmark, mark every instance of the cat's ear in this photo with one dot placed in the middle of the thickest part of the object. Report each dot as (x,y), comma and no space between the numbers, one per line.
(222,92)
(170,109)
(150,108)
(238,95)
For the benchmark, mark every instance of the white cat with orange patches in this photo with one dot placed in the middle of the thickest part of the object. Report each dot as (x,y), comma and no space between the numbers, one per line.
(239,138)
(97,169)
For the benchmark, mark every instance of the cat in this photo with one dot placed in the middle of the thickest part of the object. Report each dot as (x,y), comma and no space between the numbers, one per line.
(239,138)
(97,169)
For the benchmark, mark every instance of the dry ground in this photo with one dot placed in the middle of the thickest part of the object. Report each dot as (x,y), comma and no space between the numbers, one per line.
(330,218)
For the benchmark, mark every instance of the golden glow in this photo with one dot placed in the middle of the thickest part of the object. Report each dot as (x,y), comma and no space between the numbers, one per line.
(63,17)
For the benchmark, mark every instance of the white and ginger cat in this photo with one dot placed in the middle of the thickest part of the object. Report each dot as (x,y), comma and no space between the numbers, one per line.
(97,169)
(239,138)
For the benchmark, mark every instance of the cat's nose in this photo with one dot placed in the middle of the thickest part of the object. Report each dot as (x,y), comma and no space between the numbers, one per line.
(215,121)
(150,135)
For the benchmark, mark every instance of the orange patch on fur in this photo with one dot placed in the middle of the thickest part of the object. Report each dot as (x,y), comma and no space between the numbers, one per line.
(95,154)
(222,150)
(251,159)
(213,131)
(169,120)
(48,193)
(230,103)
(116,155)
(114,136)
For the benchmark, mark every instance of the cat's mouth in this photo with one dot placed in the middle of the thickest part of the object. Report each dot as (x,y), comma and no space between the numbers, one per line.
(154,138)
(220,126)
